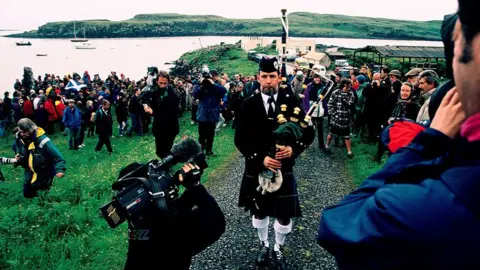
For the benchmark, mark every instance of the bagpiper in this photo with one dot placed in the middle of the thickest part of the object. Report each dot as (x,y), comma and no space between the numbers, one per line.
(272,132)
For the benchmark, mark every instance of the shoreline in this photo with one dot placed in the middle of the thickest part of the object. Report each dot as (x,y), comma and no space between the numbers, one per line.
(240,36)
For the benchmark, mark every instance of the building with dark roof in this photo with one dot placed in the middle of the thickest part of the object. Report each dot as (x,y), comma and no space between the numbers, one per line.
(380,53)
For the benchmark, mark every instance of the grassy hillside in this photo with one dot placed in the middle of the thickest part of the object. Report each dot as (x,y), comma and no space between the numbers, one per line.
(302,24)
(64,230)
(224,58)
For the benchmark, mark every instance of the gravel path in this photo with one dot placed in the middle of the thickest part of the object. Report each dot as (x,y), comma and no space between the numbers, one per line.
(322,181)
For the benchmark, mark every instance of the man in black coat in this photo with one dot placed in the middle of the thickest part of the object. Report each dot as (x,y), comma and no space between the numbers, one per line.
(161,101)
(254,138)
(103,126)
(375,96)
(161,240)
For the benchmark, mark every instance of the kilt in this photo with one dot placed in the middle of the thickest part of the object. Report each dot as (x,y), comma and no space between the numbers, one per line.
(283,203)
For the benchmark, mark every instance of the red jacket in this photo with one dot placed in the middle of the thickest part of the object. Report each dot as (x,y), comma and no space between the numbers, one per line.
(52,115)
(28,108)
(60,108)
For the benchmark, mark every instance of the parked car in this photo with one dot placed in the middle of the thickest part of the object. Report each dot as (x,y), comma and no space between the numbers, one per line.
(344,72)
(426,65)
(258,57)
(301,63)
(341,63)
(251,55)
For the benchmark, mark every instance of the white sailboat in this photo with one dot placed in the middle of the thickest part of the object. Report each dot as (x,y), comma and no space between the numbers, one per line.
(75,35)
(85,46)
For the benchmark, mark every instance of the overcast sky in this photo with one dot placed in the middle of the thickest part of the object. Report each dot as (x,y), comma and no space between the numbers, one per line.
(29,14)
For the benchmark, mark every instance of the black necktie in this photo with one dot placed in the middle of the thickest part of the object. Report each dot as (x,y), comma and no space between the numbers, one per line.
(271,111)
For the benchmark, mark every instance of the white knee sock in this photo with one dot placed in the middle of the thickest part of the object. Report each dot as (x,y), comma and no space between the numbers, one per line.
(281,232)
(262,228)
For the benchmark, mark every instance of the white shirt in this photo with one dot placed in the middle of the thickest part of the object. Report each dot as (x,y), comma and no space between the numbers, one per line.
(265,101)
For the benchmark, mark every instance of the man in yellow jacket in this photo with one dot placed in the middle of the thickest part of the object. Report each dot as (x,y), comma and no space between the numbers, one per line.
(38,156)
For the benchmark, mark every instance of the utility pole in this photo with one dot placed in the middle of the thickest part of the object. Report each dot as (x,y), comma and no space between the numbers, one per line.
(284,42)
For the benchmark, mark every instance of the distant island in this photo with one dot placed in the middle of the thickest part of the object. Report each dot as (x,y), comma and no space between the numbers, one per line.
(301,24)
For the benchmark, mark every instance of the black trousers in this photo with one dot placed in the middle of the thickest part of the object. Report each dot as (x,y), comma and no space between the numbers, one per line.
(91,130)
(50,127)
(163,144)
(103,139)
(374,129)
(206,133)
(318,122)
(194,112)
(146,120)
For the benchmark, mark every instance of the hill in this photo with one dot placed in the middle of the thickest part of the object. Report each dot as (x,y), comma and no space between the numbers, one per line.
(302,24)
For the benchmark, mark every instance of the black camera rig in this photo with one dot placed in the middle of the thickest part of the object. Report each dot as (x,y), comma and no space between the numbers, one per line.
(150,189)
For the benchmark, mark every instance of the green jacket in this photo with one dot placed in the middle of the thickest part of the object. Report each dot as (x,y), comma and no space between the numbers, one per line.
(360,106)
(40,159)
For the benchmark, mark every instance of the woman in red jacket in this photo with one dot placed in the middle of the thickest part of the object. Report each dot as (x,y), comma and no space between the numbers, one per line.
(53,114)
(28,107)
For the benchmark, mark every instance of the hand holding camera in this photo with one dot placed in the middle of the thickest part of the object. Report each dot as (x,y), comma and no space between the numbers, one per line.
(189,176)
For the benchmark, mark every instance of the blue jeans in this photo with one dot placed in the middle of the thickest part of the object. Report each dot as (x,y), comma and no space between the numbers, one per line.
(73,138)
(122,128)
(136,124)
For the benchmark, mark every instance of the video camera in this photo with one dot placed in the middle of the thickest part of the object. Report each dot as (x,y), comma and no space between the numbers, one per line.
(151,188)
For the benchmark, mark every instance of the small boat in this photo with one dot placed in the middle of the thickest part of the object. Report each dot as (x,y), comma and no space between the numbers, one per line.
(23,43)
(85,46)
(75,39)
(42,54)
(79,40)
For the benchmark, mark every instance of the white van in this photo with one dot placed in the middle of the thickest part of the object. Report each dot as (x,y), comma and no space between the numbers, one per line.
(320,69)
(341,63)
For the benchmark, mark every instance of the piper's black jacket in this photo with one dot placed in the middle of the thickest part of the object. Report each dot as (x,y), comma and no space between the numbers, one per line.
(173,241)
(254,134)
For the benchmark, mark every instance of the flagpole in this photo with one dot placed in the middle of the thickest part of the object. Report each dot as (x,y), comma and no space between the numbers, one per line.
(284,42)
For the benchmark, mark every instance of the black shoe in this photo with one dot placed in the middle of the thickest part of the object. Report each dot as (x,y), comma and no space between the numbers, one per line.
(211,154)
(350,155)
(327,151)
(279,260)
(262,257)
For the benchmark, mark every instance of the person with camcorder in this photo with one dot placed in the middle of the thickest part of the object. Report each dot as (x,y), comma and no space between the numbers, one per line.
(165,227)
(161,101)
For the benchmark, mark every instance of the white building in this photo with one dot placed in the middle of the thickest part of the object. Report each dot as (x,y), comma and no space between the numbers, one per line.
(296,46)
(251,43)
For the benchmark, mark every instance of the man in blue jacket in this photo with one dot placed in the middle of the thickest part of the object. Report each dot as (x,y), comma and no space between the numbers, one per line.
(210,95)
(72,119)
(422,209)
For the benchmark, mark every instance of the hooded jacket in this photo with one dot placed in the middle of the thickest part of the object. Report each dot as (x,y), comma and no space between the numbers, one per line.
(40,158)
(420,211)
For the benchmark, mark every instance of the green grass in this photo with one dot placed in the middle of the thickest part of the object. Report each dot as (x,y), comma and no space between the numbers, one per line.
(362,165)
(64,230)
(224,58)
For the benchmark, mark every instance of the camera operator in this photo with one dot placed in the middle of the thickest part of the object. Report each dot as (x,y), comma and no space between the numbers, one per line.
(209,94)
(167,238)
(161,101)
(374,112)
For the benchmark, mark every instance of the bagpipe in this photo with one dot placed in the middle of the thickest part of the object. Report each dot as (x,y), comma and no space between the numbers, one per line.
(293,128)
(317,108)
